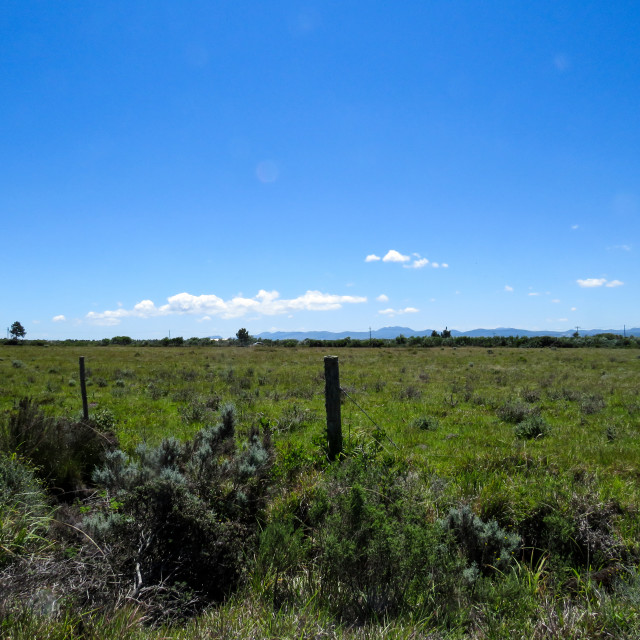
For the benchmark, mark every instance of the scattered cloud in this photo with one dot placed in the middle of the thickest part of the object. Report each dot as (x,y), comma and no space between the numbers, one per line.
(395,256)
(555,301)
(533,293)
(574,308)
(264,303)
(575,226)
(382,298)
(563,320)
(406,260)
(419,263)
(59,318)
(620,247)
(590,283)
(397,312)
(508,288)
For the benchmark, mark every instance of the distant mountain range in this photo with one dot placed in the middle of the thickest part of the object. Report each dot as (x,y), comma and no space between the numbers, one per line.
(389,333)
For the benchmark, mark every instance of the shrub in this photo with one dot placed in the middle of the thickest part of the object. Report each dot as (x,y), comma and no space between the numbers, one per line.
(187,514)
(63,452)
(425,423)
(485,545)
(516,411)
(375,551)
(592,403)
(532,427)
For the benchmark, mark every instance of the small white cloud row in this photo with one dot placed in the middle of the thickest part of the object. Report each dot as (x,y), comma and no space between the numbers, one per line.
(395,256)
(397,312)
(266,303)
(590,283)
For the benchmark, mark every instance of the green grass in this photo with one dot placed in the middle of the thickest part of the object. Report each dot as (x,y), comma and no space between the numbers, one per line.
(450,417)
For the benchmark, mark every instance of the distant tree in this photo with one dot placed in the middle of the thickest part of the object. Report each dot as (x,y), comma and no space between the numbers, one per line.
(434,334)
(243,337)
(446,333)
(17,331)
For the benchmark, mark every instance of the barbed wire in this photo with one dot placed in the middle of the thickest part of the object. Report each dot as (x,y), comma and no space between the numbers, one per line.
(370,418)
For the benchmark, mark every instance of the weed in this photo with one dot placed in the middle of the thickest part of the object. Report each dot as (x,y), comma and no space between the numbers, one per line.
(532,427)
(516,411)
(425,423)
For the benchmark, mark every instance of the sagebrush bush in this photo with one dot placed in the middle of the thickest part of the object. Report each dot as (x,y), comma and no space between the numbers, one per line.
(486,546)
(534,426)
(186,514)
(516,411)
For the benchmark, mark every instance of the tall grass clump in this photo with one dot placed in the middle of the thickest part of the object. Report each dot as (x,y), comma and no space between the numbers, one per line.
(24,510)
(64,452)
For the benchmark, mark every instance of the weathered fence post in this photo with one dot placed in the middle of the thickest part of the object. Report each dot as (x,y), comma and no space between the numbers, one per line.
(332,404)
(83,390)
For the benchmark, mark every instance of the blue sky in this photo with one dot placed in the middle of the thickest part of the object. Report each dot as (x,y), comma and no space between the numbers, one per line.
(197,167)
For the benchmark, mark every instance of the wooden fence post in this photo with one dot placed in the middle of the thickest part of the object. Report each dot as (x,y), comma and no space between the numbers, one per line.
(332,404)
(83,390)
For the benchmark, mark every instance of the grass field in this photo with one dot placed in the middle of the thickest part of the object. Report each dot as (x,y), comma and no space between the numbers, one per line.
(543,443)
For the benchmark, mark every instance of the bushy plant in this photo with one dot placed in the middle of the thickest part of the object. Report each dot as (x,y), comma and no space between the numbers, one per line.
(425,423)
(534,426)
(376,551)
(64,452)
(187,513)
(486,546)
(516,411)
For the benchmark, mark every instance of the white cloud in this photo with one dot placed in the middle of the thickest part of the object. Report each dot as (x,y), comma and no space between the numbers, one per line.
(264,303)
(395,256)
(372,257)
(435,265)
(615,283)
(574,308)
(575,226)
(382,298)
(591,282)
(555,301)
(508,288)
(444,265)
(533,293)
(59,318)
(420,263)
(563,319)
(397,312)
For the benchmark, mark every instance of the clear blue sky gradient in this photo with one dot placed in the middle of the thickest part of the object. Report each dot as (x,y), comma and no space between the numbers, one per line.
(163,163)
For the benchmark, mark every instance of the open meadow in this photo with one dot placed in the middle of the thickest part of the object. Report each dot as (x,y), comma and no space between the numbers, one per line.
(483,493)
